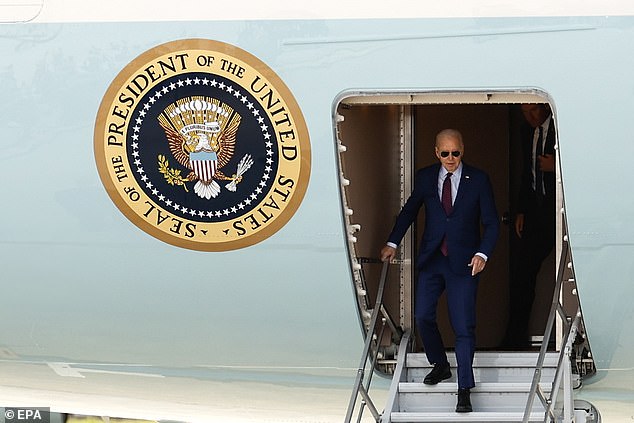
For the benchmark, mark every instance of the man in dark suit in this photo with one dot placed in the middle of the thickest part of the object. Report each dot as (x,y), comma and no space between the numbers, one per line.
(535,219)
(458,199)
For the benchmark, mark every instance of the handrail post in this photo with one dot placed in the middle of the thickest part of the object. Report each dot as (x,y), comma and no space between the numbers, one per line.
(370,335)
(549,327)
(400,375)
(568,397)
(555,310)
(563,373)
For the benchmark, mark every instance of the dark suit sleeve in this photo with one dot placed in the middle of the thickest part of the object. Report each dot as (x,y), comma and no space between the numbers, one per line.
(409,212)
(489,218)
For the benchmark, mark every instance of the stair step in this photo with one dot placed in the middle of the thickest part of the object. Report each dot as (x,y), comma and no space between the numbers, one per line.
(490,359)
(485,397)
(490,366)
(490,374)
(483,387)
(452,417)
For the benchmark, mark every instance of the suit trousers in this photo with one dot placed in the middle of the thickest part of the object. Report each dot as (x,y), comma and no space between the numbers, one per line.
(537,242)
(435,277)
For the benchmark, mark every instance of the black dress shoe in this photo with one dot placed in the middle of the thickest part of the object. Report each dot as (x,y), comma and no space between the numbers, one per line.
(439,373)
(464,401)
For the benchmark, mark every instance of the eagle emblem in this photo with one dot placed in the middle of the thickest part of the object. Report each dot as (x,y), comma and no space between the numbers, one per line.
(201,134)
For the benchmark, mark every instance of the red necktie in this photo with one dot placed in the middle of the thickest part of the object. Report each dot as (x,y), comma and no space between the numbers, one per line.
(446,204)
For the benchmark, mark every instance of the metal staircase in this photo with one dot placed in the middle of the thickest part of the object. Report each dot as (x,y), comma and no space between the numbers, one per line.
(503,383)
(507,383)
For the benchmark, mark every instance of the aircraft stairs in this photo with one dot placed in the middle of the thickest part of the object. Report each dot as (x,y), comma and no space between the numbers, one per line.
(503,384)
(515,386)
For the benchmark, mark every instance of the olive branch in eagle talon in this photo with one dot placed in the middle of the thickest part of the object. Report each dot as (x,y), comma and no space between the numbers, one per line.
(172,176)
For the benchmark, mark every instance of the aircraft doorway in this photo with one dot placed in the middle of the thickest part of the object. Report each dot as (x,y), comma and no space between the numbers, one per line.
(386,138)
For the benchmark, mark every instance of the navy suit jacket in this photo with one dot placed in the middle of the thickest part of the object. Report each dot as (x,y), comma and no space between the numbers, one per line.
(474,206)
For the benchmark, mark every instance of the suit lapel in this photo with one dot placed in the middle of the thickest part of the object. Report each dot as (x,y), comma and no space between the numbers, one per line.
(436,174)
(465,181)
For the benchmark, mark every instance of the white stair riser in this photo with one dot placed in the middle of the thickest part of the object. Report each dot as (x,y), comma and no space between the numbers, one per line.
(488,374)
(443,402)
(490,359)
(466,417)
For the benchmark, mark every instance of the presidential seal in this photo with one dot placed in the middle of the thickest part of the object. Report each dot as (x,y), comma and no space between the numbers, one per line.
(201,145)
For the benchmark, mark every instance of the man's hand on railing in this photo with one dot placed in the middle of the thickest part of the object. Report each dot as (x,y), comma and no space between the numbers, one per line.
(388,253)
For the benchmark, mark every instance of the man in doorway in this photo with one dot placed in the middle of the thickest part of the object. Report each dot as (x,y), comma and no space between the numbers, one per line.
(535,219)
(457,198)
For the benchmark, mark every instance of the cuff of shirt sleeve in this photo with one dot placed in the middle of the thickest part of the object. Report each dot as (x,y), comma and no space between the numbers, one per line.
(482,255)
(391,244)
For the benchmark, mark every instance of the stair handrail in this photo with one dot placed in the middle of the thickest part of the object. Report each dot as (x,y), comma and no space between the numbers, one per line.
(564,371)
(400,375)
(371,335)
(555,309)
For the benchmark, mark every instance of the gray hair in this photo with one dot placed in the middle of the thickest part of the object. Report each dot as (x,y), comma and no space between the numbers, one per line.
(450,133)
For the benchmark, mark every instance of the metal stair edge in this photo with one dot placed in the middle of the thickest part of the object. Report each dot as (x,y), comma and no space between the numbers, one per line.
(482,387)
(489,417)
(490,360)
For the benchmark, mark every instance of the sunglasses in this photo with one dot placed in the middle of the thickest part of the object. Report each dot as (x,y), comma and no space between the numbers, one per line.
(445,154)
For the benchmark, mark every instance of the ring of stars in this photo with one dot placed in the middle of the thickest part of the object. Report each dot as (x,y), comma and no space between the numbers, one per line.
(214,214)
